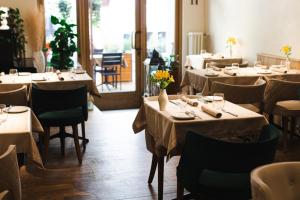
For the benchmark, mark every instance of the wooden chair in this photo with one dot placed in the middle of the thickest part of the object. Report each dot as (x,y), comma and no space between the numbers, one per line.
(4,195)
(9,174)
(221,169)
(111,68)
(14,95)
(61,108)
(281,98)
(276,181)
(248,96)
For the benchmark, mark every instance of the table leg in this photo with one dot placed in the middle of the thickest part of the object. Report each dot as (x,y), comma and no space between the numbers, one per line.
(160,177)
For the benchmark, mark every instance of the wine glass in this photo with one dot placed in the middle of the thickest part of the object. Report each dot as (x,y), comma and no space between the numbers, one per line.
(208,68)
(13,73)
(3,114)
(218,101)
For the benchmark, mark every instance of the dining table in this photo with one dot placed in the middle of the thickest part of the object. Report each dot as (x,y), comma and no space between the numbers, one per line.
(16,129)
(200,80)
(165,131)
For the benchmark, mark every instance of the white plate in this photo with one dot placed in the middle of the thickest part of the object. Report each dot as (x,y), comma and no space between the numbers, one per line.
(182,116)
(38,79)
(24,73)
(212,98)
(264,72)
(17,109)
(79,71)
(211,74)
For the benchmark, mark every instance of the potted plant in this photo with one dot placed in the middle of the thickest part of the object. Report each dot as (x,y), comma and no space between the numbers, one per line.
(63,45)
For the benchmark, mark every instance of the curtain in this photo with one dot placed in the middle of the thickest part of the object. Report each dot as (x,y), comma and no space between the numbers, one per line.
(36,34)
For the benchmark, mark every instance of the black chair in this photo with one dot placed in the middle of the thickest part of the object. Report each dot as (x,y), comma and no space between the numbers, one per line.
(61,108)
(111,67)
(221,169)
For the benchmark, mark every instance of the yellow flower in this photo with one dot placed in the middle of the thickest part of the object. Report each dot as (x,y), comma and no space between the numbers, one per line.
(286,50)
(162,78)
(231,41)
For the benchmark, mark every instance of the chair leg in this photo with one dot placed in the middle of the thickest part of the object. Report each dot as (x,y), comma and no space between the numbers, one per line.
(83,135)
(46,143)
(76,141)
(180,190)
(62,140)
(285,130)
(153,168)
(161,177)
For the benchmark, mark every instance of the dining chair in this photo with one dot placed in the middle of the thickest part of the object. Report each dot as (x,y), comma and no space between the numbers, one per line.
(111,68)
(9,174)
(4,195)
(61,108)
(247,96)
(221,169)
(281,98)
(14,95)
(276,181)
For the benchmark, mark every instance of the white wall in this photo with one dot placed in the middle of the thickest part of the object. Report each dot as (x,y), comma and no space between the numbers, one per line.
(193,20)
(259,25)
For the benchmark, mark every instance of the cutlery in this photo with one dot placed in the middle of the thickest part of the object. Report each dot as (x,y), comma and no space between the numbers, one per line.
(192,113)
(175,103)
(228,112)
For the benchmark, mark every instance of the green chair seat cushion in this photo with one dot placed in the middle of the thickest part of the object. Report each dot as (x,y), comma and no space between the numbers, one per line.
(62,117)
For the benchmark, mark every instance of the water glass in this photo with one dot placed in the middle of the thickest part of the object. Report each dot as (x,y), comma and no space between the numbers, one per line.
(218,101)
(13,73)
(208,68)
(3,114)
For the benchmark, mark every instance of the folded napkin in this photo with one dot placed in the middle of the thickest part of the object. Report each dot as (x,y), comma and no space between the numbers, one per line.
(230,72)
(192,102)
(60,77)
(284,71)
(211,111)
(262,66)
(217,68)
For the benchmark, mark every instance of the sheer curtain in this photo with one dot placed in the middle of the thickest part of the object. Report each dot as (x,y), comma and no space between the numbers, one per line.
(36,34)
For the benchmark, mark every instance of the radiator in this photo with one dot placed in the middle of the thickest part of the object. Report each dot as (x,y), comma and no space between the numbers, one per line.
(195,43)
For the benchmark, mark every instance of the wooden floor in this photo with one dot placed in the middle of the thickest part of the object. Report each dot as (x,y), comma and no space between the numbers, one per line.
(115,165)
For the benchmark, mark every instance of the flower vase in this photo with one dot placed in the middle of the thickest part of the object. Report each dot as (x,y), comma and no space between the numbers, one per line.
(287,64)
(162,99)
(230,51)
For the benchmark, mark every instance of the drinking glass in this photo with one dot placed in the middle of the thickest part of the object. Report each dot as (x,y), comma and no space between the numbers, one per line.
(199,95)
(3,114)
(13,73)
(208,68)
(203,51)
(49,71)
(218,101)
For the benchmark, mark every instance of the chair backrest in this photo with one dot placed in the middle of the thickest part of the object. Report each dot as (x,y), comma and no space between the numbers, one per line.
(4,195)
(201,152)
(276,181)
(279,90)
(111,59)
(9,173)
(16,96)
(241,94)
(54,100)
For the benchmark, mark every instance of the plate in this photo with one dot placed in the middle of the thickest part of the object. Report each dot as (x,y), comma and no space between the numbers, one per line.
(264,72)
(211,74)
(17,109)
(79,71)
(24,73)
(212,98)
(182,116)
(38,79)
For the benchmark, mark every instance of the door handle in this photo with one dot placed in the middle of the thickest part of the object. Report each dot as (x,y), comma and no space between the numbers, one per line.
(134,40)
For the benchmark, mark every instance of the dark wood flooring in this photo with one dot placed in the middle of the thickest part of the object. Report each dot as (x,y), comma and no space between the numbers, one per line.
(115,165)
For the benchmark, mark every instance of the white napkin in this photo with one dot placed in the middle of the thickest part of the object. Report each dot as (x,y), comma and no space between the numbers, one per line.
(229,72)
(192,102)
(211,111)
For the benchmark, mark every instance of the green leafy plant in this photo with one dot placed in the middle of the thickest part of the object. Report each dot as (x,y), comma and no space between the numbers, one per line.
(16,24)
(63,45)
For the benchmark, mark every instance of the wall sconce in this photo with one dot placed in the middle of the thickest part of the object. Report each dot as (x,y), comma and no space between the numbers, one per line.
(3,19)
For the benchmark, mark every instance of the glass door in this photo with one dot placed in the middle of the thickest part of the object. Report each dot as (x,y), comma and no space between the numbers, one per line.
(116,30)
